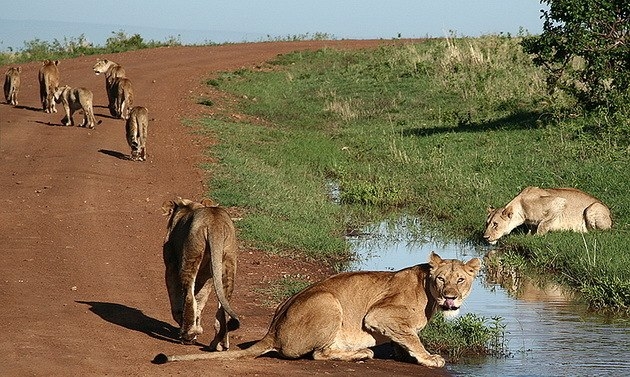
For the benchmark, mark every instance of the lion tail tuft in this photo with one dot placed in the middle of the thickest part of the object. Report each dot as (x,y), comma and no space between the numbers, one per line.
(160,359)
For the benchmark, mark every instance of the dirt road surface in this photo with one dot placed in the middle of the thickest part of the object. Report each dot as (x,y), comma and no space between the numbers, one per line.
(81,227)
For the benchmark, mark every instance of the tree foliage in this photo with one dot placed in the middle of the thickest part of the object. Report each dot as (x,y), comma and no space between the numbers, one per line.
(585,48)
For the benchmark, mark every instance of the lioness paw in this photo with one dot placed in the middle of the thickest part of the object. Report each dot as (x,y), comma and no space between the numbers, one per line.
(434,361)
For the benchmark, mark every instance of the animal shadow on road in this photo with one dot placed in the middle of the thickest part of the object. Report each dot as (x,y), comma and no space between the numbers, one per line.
(31,108)
(116,154)
(133,319)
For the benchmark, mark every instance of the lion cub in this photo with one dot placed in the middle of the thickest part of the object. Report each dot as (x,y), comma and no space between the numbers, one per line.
(341,317)
(12,85)
(199,255)
(48,84)
(136,130)
(74,99)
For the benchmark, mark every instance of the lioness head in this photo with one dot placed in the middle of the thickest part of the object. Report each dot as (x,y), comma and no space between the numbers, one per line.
(498,224)
(59,92)
(451,281)
(178,207)
(101,66)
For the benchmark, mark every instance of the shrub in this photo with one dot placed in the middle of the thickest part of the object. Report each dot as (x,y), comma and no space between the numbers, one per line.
(584,48)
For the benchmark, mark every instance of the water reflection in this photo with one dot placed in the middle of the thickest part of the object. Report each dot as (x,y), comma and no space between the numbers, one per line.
(548,335)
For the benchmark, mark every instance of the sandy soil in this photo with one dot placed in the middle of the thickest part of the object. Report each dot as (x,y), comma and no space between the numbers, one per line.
(81,277)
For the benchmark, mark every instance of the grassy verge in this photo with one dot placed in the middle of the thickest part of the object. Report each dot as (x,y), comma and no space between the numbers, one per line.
(439,130)
(73,47)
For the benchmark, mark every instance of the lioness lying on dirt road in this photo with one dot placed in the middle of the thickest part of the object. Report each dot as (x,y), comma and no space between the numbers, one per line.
(342,316)
(548,210)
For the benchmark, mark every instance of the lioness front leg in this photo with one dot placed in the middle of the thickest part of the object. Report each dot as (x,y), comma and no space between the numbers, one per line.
(394,323)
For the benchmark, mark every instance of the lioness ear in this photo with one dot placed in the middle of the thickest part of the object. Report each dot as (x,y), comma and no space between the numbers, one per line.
(434,260)
(182,202)
(209,202)
(507,213)
(490,209)
(19,69)
(168,207)
(474,265)
(56,62)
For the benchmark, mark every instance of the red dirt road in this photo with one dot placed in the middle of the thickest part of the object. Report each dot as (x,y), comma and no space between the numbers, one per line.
(81,228)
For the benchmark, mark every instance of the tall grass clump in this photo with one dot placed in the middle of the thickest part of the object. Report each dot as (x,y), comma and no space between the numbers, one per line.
(466,336)
(439,130)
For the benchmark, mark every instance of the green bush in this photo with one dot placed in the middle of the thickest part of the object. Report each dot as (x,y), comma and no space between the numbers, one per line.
(585,49)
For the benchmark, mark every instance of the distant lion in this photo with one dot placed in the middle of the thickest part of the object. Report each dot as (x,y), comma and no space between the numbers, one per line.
(74,99)
(545,210)
(342,316)
(136,131)
(112,71)
(48,84)
(200,254)
(122,90)
(12,85)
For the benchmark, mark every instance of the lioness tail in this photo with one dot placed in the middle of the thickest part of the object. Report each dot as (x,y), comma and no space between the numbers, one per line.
(259,348)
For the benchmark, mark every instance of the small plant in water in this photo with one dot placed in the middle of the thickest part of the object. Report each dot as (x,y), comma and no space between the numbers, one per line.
(465,337)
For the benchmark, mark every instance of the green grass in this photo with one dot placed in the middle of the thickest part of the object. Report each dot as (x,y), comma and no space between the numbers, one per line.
(466,336)
(439,130)
(284,288)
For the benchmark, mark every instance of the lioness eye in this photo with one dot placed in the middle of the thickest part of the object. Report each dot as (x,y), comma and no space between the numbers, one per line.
(460,280)
(440,279)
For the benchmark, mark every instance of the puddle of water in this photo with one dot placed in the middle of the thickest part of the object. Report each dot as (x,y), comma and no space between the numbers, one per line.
(547,334)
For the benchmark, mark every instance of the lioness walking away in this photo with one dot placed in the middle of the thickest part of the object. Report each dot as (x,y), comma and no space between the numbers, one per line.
(136,130)
(12,85)
(74,99)
(547,210)
(122,90)
(48,84)
(199,254)
(112,71)
(340,317)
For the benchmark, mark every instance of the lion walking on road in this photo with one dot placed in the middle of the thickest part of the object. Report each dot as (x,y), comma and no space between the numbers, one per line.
(48,84)
(199,255)
(12,85)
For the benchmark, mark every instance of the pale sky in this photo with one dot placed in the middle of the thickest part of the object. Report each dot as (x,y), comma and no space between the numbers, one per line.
(200,21)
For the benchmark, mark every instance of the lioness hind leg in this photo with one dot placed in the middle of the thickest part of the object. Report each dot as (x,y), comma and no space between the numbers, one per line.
(597,216)
(311,323)
(88,118)
(342,355)
(190,327)
(221,341)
